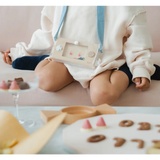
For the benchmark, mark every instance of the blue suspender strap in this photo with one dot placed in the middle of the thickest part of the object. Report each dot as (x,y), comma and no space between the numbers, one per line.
(100,25)
(64,11)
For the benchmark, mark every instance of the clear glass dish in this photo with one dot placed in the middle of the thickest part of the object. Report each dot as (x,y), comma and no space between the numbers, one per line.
(31,79)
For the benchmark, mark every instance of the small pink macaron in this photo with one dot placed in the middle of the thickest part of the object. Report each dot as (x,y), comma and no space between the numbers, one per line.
(3,85)
(86,126)
(101,123)
(14,86)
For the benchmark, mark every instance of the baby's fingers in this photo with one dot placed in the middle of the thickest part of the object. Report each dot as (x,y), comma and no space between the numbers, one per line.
(7,58)
(137,81)
(4,58)
(145,84)
(9,61)
(7,51)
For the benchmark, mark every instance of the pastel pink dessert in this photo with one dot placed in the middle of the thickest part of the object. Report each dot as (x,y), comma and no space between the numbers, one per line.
(86,126)
(3,85)
(14,86)
(101,123)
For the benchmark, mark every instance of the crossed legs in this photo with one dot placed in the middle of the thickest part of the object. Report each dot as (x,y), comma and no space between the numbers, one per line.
(104,88)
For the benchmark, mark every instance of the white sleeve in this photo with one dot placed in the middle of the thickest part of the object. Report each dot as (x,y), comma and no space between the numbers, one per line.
(41,41)
(138,46)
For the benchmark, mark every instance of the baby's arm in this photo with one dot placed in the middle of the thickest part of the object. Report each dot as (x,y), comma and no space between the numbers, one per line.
(137,50)
(6,57)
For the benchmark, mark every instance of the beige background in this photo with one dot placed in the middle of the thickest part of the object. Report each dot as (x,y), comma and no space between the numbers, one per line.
(17,24)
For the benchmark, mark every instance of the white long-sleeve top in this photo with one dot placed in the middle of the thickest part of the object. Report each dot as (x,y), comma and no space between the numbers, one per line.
(126,39)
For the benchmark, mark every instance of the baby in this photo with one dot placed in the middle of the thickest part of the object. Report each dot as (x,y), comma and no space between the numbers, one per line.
(126,51)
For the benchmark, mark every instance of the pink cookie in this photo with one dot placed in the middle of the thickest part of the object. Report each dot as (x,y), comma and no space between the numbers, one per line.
(3,85)
(14,86)
(101,123)
(86,126)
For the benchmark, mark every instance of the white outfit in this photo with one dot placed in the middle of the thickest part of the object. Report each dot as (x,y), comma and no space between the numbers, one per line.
(121,22)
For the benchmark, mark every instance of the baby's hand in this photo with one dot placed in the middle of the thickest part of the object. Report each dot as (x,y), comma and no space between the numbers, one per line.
(142,83)
(6,57)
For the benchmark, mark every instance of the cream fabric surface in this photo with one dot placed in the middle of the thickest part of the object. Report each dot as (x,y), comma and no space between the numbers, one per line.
(74,94)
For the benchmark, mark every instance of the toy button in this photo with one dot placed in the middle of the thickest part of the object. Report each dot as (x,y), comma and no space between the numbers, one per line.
(76,42)
(91,54)
(59,48)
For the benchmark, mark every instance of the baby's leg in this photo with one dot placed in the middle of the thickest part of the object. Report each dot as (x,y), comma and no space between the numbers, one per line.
(53,75)
(28,62)
(108,86)
(156,75)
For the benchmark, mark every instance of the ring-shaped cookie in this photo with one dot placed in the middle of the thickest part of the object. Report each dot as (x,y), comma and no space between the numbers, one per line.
(96,138)
(126,123)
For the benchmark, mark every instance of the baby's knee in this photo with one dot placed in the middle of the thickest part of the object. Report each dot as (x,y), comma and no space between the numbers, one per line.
(101,96)
(46,81)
